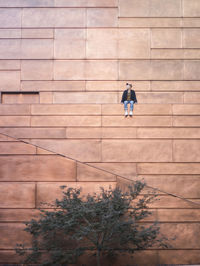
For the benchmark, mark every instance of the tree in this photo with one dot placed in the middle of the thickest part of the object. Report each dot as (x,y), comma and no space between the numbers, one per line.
(104,224)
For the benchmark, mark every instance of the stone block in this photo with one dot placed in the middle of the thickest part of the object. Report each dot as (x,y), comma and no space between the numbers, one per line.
(26,3)
(10,48)
(66,109)
(30,132)
(159,97)
(82,150)
(144,121)
(46,97)
(191,8)
(90,173)
(184,257)
(37,48)
(187,109)
(175,85)
(14,109)
(115,132)
(191,69)
(192,97)
(102,17)
(17,195)
(101,85)
(149,22)
(10,17)
(165,8)
(70,70)
(85,97)
(10,80)
(169,168)
(70,43)
(9,64)
(10,33)
(134,8)
(5,138)
(16,148)
(170,202)
(183,185)
(139,109)
(186,150)
(86,3)
(191,38)
(84,132)
(18,215)
(167,70)
(177,215)
(186,121)
(54,17)
(136,150)
(167,53)
(134,43)
(124,169)
(101,69)
(37,70)
(137,69)
(166,38)
(191,53)
(172,133)
(35,168)
(38,33)
(65,121)
(14,121)
(19,98)
(54,85)
(49,191)
(12,233)
(191,22)
(102,43)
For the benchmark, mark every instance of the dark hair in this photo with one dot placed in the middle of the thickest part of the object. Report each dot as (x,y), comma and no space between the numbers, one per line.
(129,84)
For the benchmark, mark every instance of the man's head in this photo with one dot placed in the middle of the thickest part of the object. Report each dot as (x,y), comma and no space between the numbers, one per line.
(128,86)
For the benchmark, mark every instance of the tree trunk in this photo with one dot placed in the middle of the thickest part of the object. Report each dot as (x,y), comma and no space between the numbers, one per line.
(98,257)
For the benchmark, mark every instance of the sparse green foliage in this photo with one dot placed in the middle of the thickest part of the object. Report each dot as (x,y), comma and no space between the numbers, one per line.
(103,224)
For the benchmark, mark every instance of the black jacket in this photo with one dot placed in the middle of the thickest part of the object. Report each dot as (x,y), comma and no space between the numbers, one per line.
(133,96)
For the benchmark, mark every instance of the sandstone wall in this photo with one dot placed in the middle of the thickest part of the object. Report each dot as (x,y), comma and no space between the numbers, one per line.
(63,67)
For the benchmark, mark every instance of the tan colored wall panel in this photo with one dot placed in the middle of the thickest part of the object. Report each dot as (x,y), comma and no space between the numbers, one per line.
(192,69)
(69,43)
(66,109)
(69,70)
(48,192)
(136,150)
(84,132)
(139,109)
(166,38)
(124,169)
(10,33)
(57,121)
(191,22)
(134,8)
(102,43)
(167,53)
(10,80)
(82,150)
(175,85)
(191,38)
(88,173)
(166,69)
(175,133)
(86,3)
(186,109)
(192,97)
(102,17)
(186,150)
(101,70)
(14,121)
(46,97)
(147,121)
(102,85)
(10,48)
(36,168)
(27,3)
(12,233)
(186,121)
(170,202)
(54,85)
(10,17)
(30,132)
(9,64)
(179,256)
(14,109)
(191,8)
(37,49)
(85,97)
(179,215)
(19,98)
(37,33)
(160,97)
(36,70)
(116,132)
(18,215)
(168,168)
(16,148)
(149,22)
(17,195)
(138,69)
(134,43)
(54,17)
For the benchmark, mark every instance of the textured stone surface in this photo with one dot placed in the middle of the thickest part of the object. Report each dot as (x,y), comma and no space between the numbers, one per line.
(10,80)
(36,70)
(14,109)
(16,148)
(186,150)
(102,17)
(10,98)
(10,17)
(169,38)
(14,121)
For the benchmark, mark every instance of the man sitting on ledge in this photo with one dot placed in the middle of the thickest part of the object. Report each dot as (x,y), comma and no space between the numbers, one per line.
(128,96)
